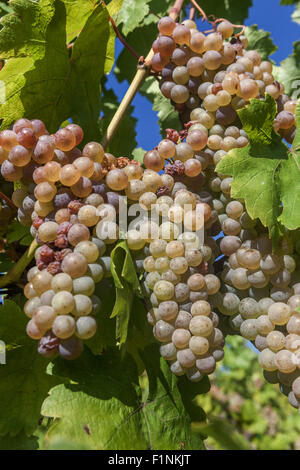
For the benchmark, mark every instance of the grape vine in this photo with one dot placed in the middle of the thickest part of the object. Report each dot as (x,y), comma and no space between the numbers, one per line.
(180,230)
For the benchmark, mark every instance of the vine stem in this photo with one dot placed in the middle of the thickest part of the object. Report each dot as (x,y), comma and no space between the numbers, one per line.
(119,35)
(203,14)
(14,274)
(135,85)
(9,201)
(192,13)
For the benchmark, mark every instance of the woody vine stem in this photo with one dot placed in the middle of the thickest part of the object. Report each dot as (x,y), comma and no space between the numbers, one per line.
(140,76)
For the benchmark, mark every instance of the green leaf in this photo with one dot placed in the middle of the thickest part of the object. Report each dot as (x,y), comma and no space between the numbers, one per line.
(142,39)
(232,10)
(106,333)
(5,263)
(24,383)
(265,173)
(124,141)
(77,14)
(5,7)
(138,154)
(167,116)
(127,284)
(122,267)
(97,409)
(19,442)
(289,72)
(296,14)
(43,78)
(224,433)
(103,408)
(16,232)
(170,409)
(260,41)
(132,13)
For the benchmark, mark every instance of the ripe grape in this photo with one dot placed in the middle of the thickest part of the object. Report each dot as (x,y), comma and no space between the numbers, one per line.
(86,327)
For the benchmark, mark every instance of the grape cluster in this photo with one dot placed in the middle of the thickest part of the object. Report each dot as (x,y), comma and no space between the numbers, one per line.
(71,200)
(209,77)
(261,296)
(62,199)
(218,274)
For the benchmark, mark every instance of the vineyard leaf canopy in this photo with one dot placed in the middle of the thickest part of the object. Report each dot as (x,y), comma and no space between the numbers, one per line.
(288,73)
(24,383)
(43,78)
(260,41)
(104,408)
(266,174)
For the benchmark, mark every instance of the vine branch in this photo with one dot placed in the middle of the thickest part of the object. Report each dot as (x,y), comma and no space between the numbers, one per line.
(15,273)
(203,14)
(125,43)
(135,85)
(9,201)
(192,13)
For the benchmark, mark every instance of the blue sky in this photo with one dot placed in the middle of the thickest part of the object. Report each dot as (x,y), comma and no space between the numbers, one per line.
(267,14)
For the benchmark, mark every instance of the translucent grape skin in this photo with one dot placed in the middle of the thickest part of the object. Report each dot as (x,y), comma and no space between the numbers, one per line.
(70,348)
(65,139)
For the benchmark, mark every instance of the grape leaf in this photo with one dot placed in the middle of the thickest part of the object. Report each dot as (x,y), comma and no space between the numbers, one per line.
(288,73)
(104,408)
(165,389)
(233,10)
(24,383)
(260,41)
(46,80)
(288,2)
(5,262)
(136,14)
(100,409)
(127,284)
(142,38)
(6,8)
(124,141)
(167,116)
(105,335)
(224,433)
(16,232)
(138,154)
(140,333)
(266,174)
(19,442)
(158,9)
(131,14)
(77,14)
(296,14)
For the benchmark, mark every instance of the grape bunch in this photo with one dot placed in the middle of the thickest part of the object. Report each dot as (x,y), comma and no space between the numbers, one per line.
(261,296)
(59,197)
(207,268)
(208,77)
(71,200)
